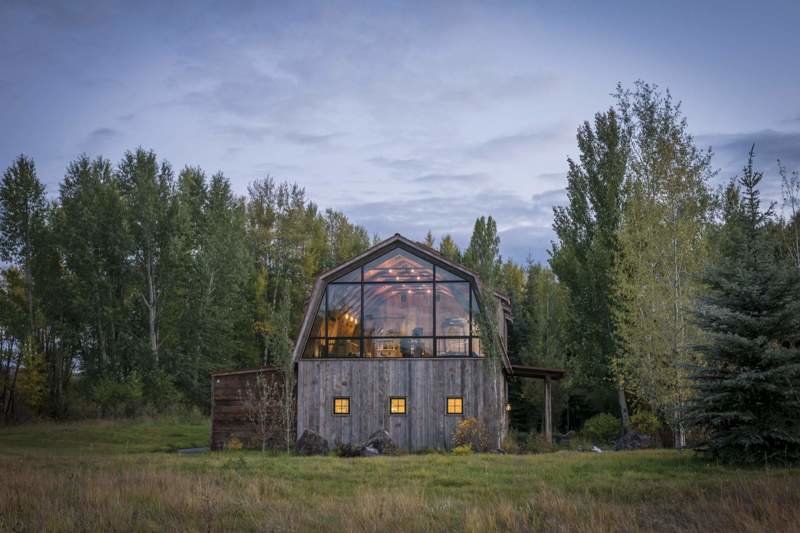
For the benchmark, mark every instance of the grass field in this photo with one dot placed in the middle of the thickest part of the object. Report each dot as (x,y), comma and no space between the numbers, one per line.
(114,476)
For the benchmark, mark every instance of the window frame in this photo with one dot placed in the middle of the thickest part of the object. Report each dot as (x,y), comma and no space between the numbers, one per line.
(447,405)
(471,336)
(333,405)
(405,405)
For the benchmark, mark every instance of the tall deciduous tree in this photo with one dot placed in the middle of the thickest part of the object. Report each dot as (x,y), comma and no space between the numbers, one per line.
(587,249)
(663,239)
(148,192)
(22,220)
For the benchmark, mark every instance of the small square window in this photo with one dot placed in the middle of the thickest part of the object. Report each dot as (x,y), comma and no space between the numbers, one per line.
(455,405)
(397,405)
(341,406)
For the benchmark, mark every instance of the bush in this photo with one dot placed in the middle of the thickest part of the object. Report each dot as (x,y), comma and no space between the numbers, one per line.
(646,423)
(473,433)
(347,450)
(602,428)
(510,443)
(464,449)
(234,443)
(117,398)
(536,443)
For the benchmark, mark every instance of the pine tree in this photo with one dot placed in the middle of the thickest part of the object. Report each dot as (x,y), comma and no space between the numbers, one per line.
(748,383)
(449,249)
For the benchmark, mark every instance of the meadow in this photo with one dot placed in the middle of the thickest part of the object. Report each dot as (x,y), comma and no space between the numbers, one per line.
(126,475)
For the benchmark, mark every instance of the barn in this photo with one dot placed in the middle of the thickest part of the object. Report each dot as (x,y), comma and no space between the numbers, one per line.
(391,341)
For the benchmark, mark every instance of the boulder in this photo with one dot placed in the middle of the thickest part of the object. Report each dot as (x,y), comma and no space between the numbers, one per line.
(380,441)
(632,440)
(311,443)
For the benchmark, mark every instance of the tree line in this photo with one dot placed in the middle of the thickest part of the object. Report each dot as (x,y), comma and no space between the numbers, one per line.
(127,288)
(133,283)
(682,298)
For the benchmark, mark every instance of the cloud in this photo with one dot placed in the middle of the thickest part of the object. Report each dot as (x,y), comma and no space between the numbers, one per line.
(452,179)
(506,145)
(730,155)
(409,165)
(524,225)
(245,132)
(100,135)
(309,138)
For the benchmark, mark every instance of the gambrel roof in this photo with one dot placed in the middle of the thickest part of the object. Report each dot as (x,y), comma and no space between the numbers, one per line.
(396,241)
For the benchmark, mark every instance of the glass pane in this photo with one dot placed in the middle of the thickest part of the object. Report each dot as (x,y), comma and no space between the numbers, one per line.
(442,274)
(341,406)
(314,348)
(452,347)
(352,276)
(476,315)
(397,406)
(476,347)
(398,347)
(398,265)
(318,327)
(455,406)
(344,310)
(452,309)
(344,348)
(398,310)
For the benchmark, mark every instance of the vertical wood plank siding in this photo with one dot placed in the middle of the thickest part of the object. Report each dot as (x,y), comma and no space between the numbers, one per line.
(228,414)
(426,383)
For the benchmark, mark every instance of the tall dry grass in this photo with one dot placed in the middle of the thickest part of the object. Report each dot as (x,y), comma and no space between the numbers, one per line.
(136,494)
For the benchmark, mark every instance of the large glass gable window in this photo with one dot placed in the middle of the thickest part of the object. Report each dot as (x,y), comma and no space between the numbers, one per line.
(398,305)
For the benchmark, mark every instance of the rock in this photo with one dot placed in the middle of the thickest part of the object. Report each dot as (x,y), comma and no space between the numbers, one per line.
(381,441)
(311,443)
(369,451)
(633,441)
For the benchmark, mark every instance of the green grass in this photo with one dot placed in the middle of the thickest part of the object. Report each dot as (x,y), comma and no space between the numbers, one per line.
(124,475)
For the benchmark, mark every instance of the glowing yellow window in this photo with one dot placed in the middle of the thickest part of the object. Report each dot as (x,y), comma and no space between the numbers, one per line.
(341,406)
(397,405)
(455,405)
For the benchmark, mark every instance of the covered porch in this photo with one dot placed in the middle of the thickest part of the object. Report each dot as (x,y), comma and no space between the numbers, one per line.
(548,375)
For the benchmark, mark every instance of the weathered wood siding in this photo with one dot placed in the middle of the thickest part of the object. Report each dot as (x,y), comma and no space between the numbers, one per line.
(426,383)
(228,414)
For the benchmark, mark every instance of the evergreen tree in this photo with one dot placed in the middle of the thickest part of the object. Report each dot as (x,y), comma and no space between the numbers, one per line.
(748,381)
(449,249)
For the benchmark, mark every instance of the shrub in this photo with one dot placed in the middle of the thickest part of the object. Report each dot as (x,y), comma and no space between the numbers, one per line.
(464,449)
(347,450)
(510,443)
(536,443)
(646,423)
(119,397)
(473,433)
(602,428)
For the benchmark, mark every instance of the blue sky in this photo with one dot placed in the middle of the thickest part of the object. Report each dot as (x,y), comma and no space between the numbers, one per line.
(405,115)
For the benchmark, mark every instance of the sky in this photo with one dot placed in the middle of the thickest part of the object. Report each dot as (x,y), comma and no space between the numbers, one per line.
(407,116)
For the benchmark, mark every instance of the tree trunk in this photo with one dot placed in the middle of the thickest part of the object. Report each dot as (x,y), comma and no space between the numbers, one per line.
(152,317)
(623,406)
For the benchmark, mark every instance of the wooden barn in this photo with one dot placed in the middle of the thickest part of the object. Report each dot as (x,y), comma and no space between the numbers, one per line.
(390,340)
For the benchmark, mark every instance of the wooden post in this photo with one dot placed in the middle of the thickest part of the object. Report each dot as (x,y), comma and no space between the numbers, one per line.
(548,411)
